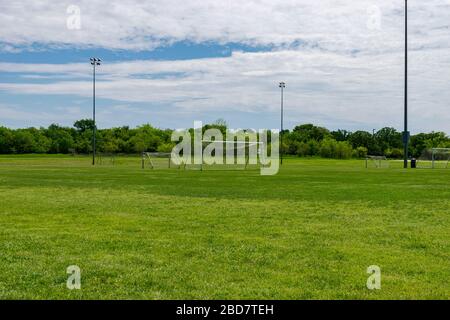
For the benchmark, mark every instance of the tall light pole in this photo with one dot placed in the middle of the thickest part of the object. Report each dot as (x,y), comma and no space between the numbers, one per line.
(94,62)
(282,86)
(405,132)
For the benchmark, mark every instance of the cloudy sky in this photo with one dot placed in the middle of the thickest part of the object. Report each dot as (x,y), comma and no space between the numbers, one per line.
(170,62)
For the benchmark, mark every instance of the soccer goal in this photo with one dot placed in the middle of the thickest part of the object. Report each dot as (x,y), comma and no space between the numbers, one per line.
(156,160)
(214,155)
(377,162)
(435,158)
(103,158)
(231,155)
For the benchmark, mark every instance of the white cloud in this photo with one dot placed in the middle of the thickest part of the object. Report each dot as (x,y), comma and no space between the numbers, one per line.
(26,118)
(342,63)
(326,87)
(337,25)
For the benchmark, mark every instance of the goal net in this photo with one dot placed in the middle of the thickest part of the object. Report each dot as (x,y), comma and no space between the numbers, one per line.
(105,158)
(214,155)
(232,155)
(156,160)
(377,162)
(435,158)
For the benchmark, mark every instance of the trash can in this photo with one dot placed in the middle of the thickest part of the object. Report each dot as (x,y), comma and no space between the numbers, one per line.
(413,163)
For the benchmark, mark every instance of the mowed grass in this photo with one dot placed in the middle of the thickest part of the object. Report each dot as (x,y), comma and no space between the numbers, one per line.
(309,232)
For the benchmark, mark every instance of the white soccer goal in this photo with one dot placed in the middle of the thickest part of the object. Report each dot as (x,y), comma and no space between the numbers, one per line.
(377,162)
(435,158)
(104,158)
(156,160)
(236,155)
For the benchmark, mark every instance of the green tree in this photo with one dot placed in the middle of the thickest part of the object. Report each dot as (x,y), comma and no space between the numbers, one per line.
(424,141)
(340,135)
(41,142)
(388,138)
(308,132)
(84,125)
(61,139)
(6,140)
(147,138)
(394,153)
(330,148)
(221,123)
(165,147)
(23,141)
(367,140)
(360,152)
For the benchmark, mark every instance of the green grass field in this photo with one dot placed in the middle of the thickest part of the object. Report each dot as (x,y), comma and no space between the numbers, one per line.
(308,233)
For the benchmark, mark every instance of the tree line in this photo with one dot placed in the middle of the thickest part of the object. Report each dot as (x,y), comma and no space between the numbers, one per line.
(310,140)
(305,140)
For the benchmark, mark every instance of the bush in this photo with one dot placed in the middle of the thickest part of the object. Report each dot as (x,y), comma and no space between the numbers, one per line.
(303,149)
(314,147)
(6,140)
(394,153)
(343,150)
(360,152)
(165,147)
(292,147)
(330,148)
(23,141)
(327,148)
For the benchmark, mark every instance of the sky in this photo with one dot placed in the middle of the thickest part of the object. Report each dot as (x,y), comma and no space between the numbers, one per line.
(171,62)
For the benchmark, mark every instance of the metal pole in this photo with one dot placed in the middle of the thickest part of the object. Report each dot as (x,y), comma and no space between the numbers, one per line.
(95,125)
(433,157)
(406,135)
(281,133)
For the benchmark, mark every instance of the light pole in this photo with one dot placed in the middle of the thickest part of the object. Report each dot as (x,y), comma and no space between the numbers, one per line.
(405,132)
(282,86)
(94,62)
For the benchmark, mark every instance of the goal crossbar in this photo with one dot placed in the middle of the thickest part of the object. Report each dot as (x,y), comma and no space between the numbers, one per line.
(446,157)
(434,158)
(377,161)
(148,158)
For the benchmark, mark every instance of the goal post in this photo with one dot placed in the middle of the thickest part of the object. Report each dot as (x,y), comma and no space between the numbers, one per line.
(435,158)
(377,162)
(215,155)
(233,154)
(155,160)
(105,158)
